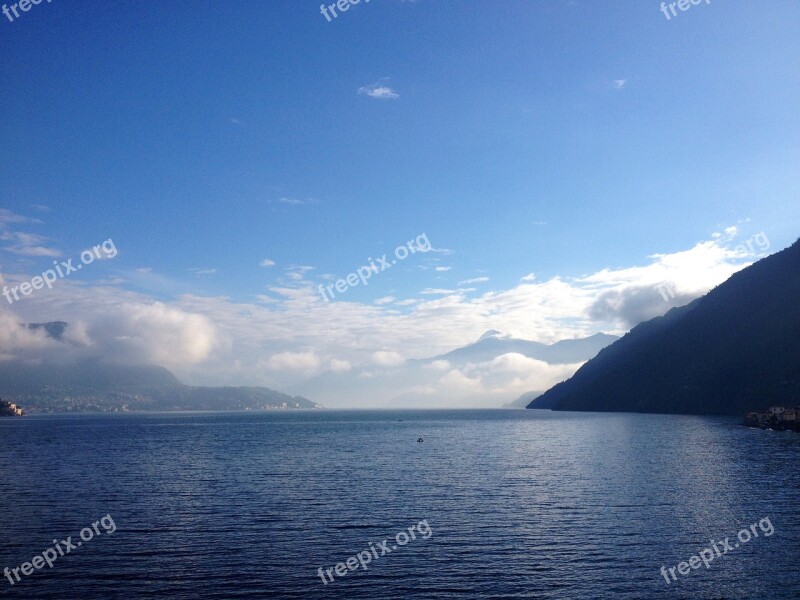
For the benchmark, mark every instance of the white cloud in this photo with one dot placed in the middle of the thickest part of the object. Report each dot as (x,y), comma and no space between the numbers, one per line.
(385,300)
(7,217)
(19,342)
(337,365)
(302,361)
(408,302)
(155,333)
(631,295)
(264,299)
(443,269)
(438,365)
(152,333)
(22,243)
(619,83)
(298,272)
(267,263)
(379,90)
(474,280)
(456,382)
(387,359)
(510,375)
(292,201)
(529,277)
(28,244)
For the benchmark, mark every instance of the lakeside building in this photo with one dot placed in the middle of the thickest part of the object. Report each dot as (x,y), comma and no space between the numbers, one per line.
(9,409)
(777,418)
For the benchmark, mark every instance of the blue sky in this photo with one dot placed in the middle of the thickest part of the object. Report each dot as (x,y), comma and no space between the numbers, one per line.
(552,137)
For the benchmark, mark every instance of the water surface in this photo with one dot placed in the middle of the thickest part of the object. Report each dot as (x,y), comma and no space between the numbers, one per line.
(522,504)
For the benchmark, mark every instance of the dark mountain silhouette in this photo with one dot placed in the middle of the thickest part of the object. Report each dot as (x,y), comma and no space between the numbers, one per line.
(734,350)
(540,402)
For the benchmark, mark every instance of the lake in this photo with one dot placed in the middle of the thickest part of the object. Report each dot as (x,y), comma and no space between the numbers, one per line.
(503,504)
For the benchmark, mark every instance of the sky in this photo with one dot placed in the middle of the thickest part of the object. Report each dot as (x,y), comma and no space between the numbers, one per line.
(560,168)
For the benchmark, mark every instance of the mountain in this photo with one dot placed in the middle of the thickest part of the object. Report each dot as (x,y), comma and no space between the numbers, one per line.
(54,329)
(734,350)
(523,401)
(83,377)
(541,401)
(493,344)
(481,374)
(92,386)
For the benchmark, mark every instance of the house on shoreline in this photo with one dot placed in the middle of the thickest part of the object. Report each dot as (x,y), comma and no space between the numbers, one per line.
(9,409)
(777,418)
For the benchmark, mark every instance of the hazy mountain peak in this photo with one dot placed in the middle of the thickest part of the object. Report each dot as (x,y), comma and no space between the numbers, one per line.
(493,333)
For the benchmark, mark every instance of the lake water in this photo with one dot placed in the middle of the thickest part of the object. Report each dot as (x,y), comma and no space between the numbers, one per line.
(520,504)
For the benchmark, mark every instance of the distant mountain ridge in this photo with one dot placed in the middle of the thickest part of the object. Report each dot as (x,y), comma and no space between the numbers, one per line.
(493,344)
(416,382)
(92,386)
(523,401)
(734,350)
